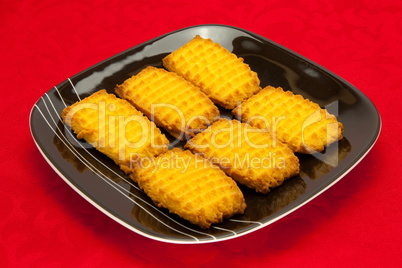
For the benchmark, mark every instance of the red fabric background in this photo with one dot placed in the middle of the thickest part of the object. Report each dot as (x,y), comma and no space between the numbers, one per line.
(44,223)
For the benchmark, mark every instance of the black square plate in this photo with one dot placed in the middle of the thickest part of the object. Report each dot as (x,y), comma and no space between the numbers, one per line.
(103,184)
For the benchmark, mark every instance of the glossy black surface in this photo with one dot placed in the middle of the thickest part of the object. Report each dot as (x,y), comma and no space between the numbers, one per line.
(100,181)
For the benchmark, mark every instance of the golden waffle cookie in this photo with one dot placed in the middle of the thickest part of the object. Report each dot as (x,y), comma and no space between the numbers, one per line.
(298,122)
(115,128)
(170,101)
(224,77)
(249,155)
(189,186)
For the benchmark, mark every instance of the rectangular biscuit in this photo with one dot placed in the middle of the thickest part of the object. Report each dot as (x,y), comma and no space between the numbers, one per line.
(190,186)
(115,128)
(300,123)
(220,74)
(170,101)
(247,154)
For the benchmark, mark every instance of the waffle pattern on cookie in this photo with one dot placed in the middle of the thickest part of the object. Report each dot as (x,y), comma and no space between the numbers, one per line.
(190,186)
(298,122)
(115,128)
(170,101)
(220,74)
(249,155)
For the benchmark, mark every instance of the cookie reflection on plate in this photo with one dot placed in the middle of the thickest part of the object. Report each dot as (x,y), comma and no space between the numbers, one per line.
(314,166)
(66,149)
(280,197)
(83,156)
